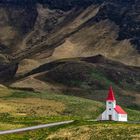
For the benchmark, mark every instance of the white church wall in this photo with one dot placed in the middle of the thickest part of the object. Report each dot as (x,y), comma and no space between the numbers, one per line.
(122,117)
(104,115)
(116,116)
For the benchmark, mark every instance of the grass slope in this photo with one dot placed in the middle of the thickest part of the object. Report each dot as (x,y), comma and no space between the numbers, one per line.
(82,130)
(96,131)
(28,108)
(21,109)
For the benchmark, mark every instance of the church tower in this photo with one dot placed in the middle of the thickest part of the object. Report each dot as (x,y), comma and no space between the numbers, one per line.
(110,104)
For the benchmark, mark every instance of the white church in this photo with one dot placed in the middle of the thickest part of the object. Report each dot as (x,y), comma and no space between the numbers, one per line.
(113,112)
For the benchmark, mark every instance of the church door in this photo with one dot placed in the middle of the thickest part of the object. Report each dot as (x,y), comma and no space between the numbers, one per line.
(110,117)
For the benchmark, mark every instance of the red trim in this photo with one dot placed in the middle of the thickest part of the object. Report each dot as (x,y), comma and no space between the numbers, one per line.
(111,96)
(119,110)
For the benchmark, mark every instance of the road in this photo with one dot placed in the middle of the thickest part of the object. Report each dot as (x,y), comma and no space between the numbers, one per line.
(34,127)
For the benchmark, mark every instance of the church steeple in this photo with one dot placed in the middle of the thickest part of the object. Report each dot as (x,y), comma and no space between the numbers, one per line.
(110,96)
(110,100)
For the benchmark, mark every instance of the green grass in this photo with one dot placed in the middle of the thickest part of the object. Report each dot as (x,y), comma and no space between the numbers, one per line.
(75,108)
(133,115)
(99,76)
(81,129)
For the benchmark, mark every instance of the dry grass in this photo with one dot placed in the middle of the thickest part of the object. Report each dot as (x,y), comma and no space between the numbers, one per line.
(78,133)
(83,131)
(31,106)
(31,83)
(7,126)
(27,65)
(98,131)
(4,91)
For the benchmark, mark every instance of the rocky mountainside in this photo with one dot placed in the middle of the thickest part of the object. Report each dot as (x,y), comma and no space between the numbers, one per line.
(35,33)
(74,28)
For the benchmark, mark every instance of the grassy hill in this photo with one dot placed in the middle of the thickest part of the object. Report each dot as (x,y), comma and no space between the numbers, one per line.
(28,108)
(21,108)
(87,77)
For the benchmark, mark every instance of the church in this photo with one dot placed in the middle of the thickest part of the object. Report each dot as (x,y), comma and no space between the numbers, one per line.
(113,112)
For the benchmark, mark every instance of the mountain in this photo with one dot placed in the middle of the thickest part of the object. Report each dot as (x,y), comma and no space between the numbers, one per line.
(82,44)
(74,28)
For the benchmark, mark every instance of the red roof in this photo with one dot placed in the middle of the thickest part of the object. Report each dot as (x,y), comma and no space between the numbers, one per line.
(111,94)
(119,110)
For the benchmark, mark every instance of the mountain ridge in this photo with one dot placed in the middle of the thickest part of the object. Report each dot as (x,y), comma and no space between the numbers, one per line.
(38,33)
(106,11)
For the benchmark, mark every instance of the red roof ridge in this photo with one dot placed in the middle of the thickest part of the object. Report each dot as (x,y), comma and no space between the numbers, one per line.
(111,94)
(119,110)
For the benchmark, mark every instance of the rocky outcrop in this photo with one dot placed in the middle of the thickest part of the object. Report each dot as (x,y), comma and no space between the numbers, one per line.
(15,22)
(7,72)
(126,15)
